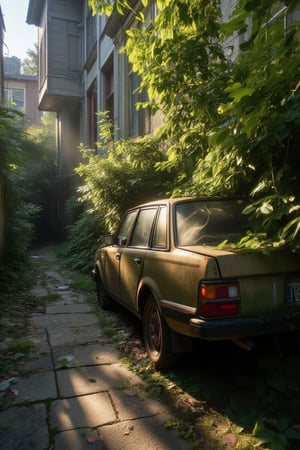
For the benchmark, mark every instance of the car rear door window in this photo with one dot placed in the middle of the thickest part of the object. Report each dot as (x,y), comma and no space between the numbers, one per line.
(143,227)
(160,233)
(123,234)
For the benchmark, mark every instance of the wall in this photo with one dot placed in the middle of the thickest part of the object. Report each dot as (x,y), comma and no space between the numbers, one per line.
(30,86)
(2,29)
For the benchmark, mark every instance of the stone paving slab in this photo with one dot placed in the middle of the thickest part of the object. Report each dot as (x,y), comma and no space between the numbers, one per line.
(39,291)
(56,276)
(91,379)
(86,355)
(67,309)
(92,404)
(24,428)
(130,406)
(74,335)
(38,337)
(64,320)
(82,411)
(142,434)
(40,362)
(83,439)
(37,387)
(68,297)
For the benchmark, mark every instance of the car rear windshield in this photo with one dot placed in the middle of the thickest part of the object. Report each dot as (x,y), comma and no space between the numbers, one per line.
(209,222)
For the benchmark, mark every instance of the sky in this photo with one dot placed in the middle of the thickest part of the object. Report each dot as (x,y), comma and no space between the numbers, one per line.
(19,36)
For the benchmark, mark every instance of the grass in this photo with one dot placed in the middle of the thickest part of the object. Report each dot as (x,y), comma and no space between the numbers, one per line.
(16,306)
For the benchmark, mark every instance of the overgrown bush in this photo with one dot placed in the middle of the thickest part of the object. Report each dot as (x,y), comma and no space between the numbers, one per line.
(18,214)
(82,236)
(231,115)
(26,168)
(121,174)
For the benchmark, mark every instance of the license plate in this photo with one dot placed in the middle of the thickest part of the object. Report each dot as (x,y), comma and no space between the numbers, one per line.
(293,292)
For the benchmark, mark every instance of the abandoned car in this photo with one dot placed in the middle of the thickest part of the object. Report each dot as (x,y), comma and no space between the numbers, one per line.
(166,265)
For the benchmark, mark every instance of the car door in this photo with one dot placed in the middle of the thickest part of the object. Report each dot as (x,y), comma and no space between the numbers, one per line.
(114,255)
(132,258)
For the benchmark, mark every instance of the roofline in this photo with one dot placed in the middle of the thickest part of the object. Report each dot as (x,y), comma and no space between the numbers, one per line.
(34,12)
(116,21)
(2,19)
(20,77)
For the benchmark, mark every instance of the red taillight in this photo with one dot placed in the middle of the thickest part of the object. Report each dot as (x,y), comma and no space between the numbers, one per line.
(219,299)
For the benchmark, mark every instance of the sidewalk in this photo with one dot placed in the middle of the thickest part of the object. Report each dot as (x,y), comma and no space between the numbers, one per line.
(75,394)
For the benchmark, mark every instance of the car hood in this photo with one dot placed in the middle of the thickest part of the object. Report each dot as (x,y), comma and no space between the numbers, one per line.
(246,263)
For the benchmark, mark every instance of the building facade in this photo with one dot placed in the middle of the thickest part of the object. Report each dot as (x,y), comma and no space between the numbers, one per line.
(2,30)
(21,91)
(82,71)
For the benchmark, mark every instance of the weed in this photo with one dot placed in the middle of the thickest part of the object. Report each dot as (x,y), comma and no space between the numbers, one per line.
(20,346)
(81,282)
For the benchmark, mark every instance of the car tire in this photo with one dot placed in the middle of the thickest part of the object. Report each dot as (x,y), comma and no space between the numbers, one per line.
(157,336)
(104,300)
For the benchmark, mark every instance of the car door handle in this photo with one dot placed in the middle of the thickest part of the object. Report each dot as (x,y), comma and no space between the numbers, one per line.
(137,260)
(118,256)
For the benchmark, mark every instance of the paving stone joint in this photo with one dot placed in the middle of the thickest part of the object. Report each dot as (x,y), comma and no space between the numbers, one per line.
(75,394)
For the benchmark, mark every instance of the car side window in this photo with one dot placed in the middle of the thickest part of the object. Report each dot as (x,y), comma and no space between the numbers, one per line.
(160,233)
(142,230)
(122,236)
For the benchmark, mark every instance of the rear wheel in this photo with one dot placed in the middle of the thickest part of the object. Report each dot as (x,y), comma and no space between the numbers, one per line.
(104,300)
(157,336)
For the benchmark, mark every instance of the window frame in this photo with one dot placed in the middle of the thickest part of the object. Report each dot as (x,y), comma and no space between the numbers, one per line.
(139,221)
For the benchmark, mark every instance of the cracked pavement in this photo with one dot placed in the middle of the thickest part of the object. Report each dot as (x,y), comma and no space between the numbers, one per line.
(75,394)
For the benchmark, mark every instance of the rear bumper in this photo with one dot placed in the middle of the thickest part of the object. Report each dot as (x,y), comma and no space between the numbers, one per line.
(219,329)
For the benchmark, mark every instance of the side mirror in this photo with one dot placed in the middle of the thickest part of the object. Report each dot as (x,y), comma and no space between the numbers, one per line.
(105,240)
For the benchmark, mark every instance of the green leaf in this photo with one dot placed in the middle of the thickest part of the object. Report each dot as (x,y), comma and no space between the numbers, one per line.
(237,91)
(266,208)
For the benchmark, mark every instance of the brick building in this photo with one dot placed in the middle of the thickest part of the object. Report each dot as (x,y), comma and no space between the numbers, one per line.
(21,91)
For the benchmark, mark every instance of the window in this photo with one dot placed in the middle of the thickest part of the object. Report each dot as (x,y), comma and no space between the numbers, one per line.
(160,234)
(123,234)
(90,32)
(92,115)
(139,119)
(142,230)
(108,76)
(15,98)
(209,223)
(133,100)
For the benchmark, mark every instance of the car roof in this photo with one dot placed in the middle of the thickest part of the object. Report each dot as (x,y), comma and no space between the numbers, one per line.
(172,201)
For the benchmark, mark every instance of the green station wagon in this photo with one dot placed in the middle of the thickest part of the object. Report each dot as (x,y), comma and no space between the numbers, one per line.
(166,266)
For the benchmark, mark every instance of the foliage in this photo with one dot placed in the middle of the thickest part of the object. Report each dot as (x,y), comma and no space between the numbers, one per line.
(18,214)
(82,236)
(260,128)
(120,175)
(31,63)
(230,125)
(25,172)
(184,71)
(39,170)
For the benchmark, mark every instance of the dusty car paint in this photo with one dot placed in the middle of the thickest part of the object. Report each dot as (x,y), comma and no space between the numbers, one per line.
(172,275)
